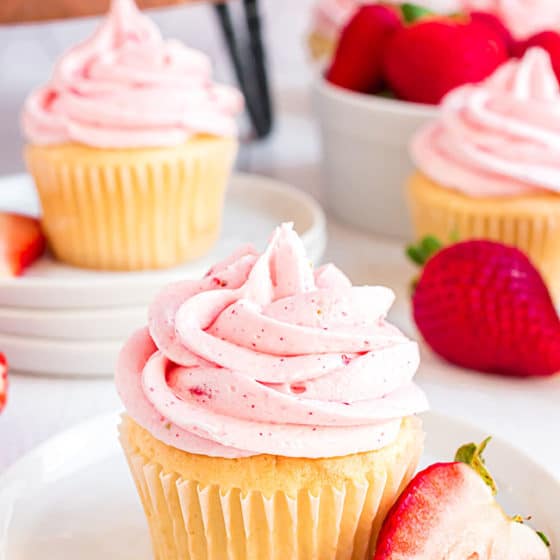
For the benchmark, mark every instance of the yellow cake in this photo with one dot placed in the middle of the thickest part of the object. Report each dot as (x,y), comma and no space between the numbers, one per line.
(321,47)
(132,209)
(267,507)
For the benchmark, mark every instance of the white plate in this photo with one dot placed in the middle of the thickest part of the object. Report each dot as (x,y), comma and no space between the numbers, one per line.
(73,497)
(60,357)
(254,206)
(72,324)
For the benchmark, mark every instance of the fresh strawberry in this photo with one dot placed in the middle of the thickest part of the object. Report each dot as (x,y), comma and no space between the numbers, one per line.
(547,40)
(449,511)
(358,60)
(483,305)
(3,381)
(497,25)
(21,243)
(429,58)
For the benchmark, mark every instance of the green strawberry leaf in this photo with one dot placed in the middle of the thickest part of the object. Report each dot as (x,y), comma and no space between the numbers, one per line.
(427,248)
(544,538)
(430,245)
(415,255)
(412,13)
(471,454)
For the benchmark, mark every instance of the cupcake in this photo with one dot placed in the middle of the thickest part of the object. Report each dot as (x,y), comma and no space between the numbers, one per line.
(488,168)
(130,145)
(270,411)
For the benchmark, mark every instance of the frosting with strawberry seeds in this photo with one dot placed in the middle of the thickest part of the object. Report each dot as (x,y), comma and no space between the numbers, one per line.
(522,17)
(126,87)
(500,137)
(265,355)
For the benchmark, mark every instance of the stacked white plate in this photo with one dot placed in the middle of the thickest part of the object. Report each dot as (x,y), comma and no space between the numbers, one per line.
(60,320)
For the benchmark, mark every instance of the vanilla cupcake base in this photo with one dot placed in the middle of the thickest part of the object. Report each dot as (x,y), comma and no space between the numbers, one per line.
(529,222)
(132,209)
(267,507)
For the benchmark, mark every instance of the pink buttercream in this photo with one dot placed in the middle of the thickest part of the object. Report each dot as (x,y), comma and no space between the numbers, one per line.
(498,138)
(264,355)
(523,17)
(126,87)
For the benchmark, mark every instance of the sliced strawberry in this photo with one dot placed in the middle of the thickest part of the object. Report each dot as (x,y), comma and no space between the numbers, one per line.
(358,61)
(425,61)
(547,40)
(449,511)
(3,381)
(21,243)
(483,305)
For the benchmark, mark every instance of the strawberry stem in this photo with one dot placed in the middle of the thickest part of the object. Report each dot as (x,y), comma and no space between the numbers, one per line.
(412,13)
(471,454)
(427,248)
(544,538)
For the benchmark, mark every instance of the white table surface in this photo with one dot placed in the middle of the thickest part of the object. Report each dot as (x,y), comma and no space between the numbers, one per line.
(525,412)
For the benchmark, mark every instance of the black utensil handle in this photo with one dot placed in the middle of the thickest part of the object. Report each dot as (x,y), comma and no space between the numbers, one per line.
(248,58)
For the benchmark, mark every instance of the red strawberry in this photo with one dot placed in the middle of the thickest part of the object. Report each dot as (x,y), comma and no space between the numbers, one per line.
(3,382)
(483,305)
(21,243)
(425,61)
(358,61)
(449,511)
(547,40)
(497,25)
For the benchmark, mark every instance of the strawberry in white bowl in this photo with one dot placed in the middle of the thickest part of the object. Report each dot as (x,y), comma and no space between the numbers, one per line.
(392,66)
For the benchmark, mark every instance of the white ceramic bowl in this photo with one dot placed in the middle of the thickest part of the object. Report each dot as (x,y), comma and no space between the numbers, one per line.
(365,163)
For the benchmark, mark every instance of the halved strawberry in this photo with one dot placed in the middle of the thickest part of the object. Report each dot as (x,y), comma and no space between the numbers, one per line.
(3,381)
(449,511)
(21,243)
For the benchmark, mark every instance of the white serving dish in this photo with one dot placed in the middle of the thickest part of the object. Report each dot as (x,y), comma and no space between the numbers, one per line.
(73,496)
(365,156)
(48,356)
(106,323)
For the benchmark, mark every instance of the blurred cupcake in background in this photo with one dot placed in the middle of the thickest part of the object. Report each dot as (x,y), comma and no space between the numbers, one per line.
(131,145)
(328,18)
(270,411)
(488,167)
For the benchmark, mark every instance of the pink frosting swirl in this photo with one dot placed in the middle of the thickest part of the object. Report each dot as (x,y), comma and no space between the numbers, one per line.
(498,138)
(523,17)
(126,87)
(264,355)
